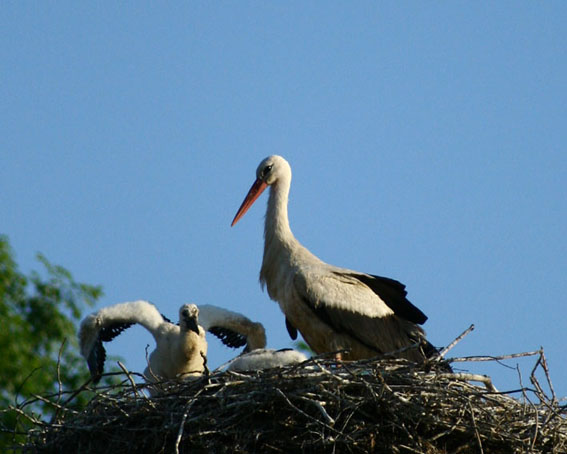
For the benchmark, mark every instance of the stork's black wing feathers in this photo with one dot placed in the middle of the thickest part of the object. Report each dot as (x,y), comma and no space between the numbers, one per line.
(292,330)
(165,319)
(109,332)
(393,293)
(228,337)
(95,361)
(97,356)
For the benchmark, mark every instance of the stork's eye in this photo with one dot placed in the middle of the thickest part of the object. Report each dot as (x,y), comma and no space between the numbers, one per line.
(267,170)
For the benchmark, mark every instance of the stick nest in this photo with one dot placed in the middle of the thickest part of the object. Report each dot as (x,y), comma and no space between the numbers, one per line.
(318,406)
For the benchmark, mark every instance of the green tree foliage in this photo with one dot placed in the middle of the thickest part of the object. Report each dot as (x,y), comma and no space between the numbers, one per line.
(38,341)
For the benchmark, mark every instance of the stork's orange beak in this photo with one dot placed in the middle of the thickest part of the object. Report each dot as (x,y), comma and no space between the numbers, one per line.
(254,192)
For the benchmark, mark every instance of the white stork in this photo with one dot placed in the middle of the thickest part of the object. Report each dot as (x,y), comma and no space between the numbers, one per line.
(236,330)
(180,349)
(333,308)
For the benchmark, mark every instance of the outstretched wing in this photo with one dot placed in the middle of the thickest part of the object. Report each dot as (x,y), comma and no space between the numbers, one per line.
(232,328)
(97,356)
(108,323)
(228,337)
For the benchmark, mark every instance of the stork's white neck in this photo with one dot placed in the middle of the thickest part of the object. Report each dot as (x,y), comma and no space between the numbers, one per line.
(276,227)
(279,242)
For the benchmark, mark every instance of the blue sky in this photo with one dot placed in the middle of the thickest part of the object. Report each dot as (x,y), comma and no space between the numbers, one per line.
(427,142)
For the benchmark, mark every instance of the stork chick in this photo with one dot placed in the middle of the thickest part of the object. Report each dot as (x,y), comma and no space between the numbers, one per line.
(236,330)
(180,349)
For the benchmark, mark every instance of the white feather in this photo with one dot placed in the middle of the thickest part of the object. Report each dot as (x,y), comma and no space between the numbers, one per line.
(266,359)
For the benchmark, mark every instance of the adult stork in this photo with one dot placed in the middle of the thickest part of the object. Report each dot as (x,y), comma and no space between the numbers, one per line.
(333,308)
(180,348)
(236,330)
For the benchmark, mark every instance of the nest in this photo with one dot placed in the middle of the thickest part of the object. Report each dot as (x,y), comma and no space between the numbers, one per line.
(319,406)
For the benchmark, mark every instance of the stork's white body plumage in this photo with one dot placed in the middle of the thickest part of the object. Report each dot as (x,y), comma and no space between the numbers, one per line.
(266,358)
(180,349)
(333,308)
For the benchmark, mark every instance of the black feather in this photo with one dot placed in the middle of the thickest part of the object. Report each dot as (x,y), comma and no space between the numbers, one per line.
(292,330)
(393,293)
(109,332)
(95,361)
(97,356)
(165,319)
(228,337)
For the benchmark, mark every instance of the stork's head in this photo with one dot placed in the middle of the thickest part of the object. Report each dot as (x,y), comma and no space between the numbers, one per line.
(189,317)
(270,171)
(272,168)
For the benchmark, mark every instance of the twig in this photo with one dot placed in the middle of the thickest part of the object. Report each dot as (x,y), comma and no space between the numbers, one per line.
(484,379)
(320,407)
(396,353)
(326,372)
(476,428)
(59,383)
(547,376)
(308,416)
(536,432)
(443,352)
(53,404)
(492,358)
(132,382)
(183,418)
(35,421)
(19,388)
(153,376)
(206,371)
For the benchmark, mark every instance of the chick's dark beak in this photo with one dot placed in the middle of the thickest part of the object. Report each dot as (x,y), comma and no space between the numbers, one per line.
(192,323)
